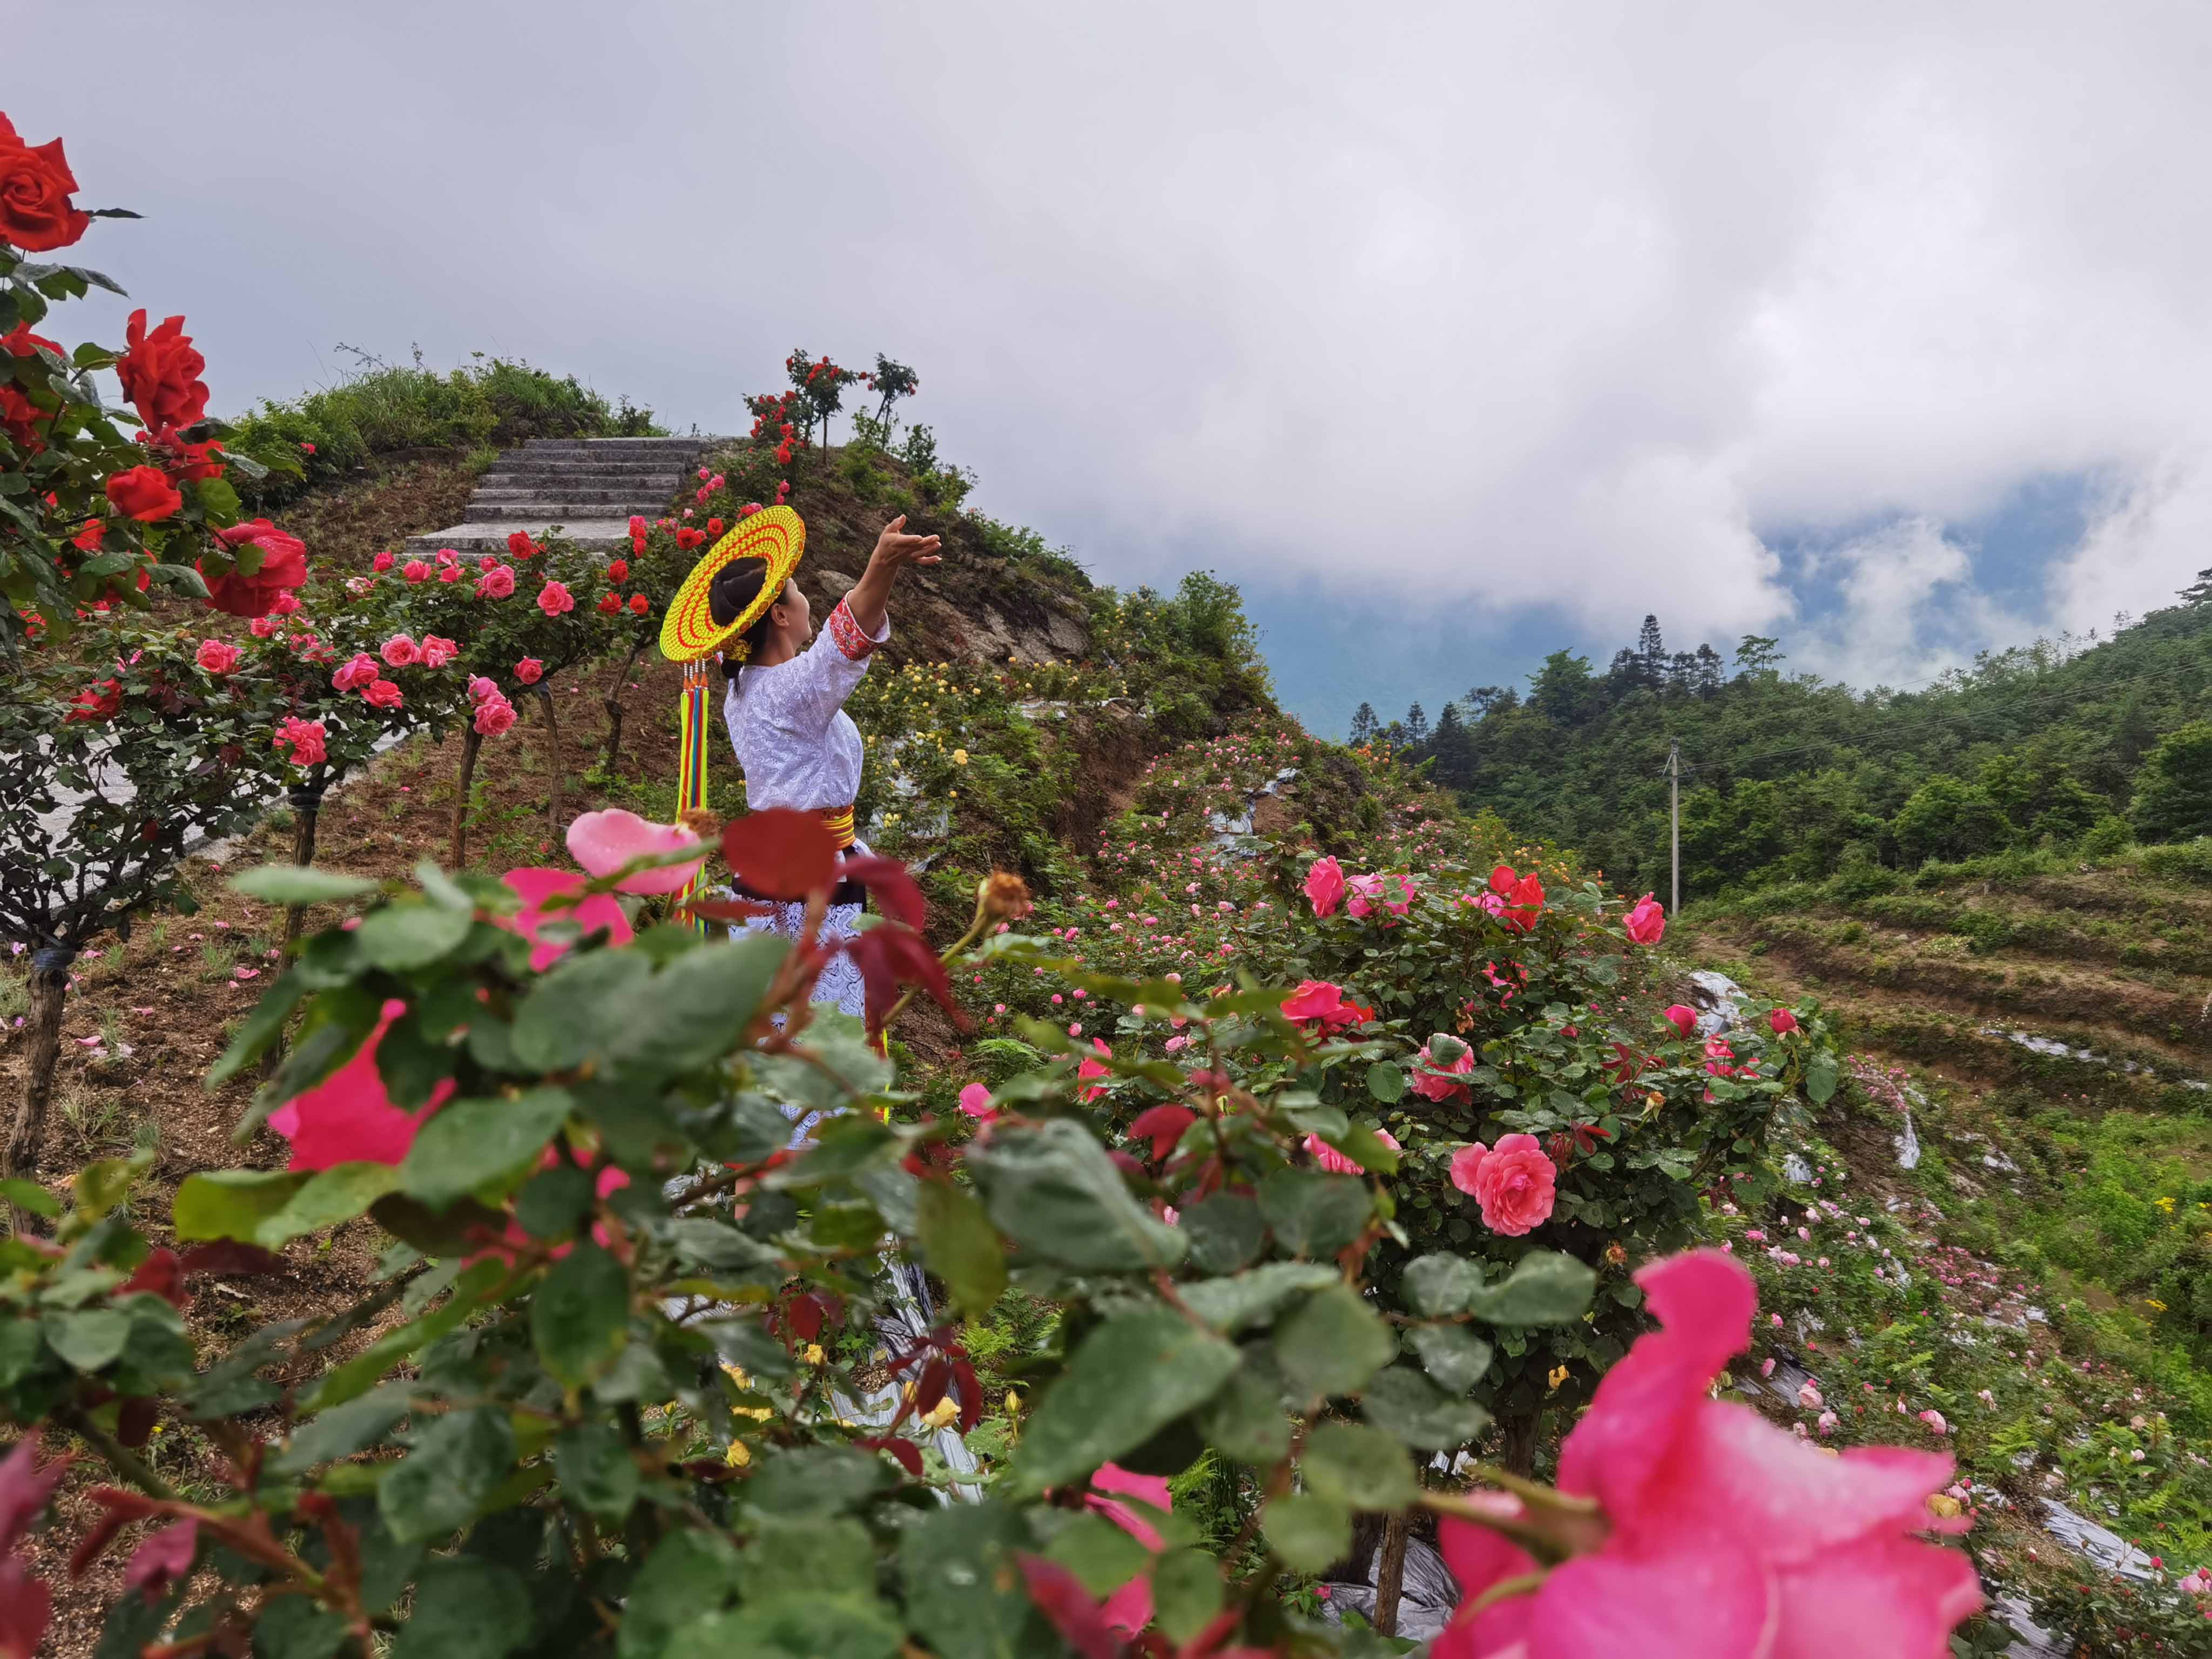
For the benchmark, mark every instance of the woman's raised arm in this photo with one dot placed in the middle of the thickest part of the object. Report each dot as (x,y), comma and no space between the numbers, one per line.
(871,595)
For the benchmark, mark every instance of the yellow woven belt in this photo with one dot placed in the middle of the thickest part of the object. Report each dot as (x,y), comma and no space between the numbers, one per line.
(840,820)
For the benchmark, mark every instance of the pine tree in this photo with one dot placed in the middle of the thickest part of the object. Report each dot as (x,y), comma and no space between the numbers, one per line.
(1454,747)
(2173,792)
(1652,647)
(2200,591)
(1417,725)
(1365,725)
(1706,678)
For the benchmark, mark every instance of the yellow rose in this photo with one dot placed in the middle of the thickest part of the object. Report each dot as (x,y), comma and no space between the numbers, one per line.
(960,759)
(738,1455)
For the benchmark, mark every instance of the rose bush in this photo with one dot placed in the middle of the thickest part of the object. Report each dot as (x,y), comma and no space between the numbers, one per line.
(616,1411)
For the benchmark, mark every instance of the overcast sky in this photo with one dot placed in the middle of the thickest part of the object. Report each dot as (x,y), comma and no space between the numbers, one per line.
(1454,334)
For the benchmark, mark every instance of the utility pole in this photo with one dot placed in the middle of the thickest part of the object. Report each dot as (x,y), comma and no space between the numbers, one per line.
(1675,819)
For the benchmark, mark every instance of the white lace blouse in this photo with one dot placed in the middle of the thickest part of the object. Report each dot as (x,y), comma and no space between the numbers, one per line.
(788,725)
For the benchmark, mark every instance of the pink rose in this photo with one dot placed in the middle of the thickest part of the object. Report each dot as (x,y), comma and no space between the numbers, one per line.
(976,1101)
(1324,1005)
(1325,886)
(382,562)
(415,571)
(358,673)
(1329,1158)
(217,656)
(1443,1053)
(480,688)
(382,693)
(349,1118)
(529,671)
(449,573)
(400,651)
(538,885)
(1646,920)
(498,582)
(1684,1020)
(437,653)
(285,604)
(1782,1022)
(1367,895)
(262,626)
(306,739)
(1513,1182)
(1721,1534)
(603,841)
(554,599)
(493,715)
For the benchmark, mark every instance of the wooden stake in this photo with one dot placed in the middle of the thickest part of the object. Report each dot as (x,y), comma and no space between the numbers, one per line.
(613,705)
(553,812)
(457,853)
(1390,1575)
(49,992)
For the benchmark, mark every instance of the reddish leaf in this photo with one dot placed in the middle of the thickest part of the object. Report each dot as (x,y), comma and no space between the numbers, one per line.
(1126,1163)
(27,1607)
(936,1377)
(161,1560)
(161,1274)
(971,1394)
(1162,1126)
(228,1256)
(909,1454)
(1060,1595)
(117,1509)
(24,1488)
(891,887)
(888,956)
(135,1422)
(782,853)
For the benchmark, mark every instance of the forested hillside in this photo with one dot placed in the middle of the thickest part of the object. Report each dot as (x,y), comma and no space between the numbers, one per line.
(2066,745)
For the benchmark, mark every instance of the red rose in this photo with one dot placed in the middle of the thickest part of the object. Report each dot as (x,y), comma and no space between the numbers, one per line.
(36,213)
(144,493)
(283,566)
(520,546)
(103,701)
(381,694)
(611,603)
(618,571)
(713,526)
(87,540)
(183,460)
(639,604)
(160,373)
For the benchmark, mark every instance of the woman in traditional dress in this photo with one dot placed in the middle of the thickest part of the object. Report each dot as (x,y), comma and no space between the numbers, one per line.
(784,707)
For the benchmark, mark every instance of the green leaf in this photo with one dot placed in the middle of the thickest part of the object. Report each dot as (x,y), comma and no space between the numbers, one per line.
(263,1025)
(1545,1288)
(1054,1190)
(1246,1420)
(91,1338)
(1386,1082)
(692,1012)
(470,1142)
(1402,1402)
(411,934)
(454,1466)
(294,1627)
(691,1573)
(231,1203)
(1186,1593)
(1225,1232)
(464,1608)
(1230,1304)
(841,1627)
(553,1201)
(359,1374)
(1308,1531)
(296,884)
(597,1470)
(1452,1356)
(570,1015)
(961,1247)
(1128,1379)
(1361,1467)
(1314,1213)
(330,1196)
(1368,1150)
(344,1430)
(1820,1077)
(1102,1556)
(811,1482)
(31,1196)
(1333,1344)
(964,1592)
(579,1317)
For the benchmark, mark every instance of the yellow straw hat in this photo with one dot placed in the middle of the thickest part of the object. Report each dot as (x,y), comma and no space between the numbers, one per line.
(775,534)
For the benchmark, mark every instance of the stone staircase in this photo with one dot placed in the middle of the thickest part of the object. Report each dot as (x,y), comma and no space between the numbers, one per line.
(590,487)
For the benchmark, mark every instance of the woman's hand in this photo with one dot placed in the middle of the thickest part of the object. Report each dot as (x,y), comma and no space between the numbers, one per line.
(895,549)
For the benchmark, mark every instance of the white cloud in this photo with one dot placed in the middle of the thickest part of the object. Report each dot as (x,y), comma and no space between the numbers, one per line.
(2150,533)
(1908,609)
(1496,306)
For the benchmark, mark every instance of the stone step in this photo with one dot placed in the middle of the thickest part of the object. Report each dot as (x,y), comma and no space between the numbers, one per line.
(654,474)
(550,512)
(598,535)
(558,493)
(611,448)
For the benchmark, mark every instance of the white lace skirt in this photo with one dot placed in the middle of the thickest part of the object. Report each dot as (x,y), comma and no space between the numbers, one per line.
(840,985)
